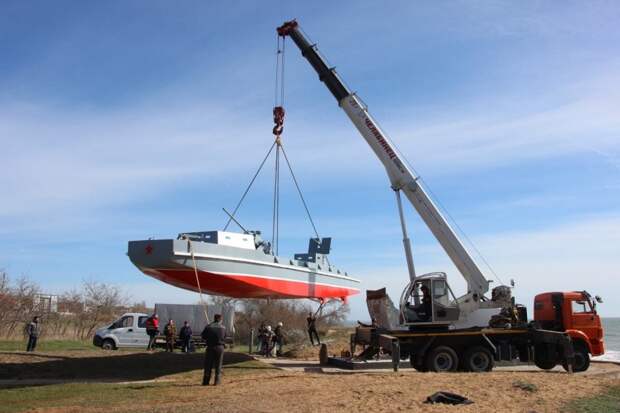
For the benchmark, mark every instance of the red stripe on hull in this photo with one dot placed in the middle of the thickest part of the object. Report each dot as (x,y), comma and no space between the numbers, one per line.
(242,286)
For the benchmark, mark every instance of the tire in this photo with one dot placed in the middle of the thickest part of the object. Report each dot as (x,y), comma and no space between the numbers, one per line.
(582,359)
(478,359)
(416,364)
(108,344)
(442,359)
(541,359)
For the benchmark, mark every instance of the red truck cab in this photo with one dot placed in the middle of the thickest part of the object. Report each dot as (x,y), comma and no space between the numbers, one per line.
(574,313)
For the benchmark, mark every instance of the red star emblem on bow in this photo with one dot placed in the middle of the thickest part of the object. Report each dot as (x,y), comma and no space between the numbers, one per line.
(148,249)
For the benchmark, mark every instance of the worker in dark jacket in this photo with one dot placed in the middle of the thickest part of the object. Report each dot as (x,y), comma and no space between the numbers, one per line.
(33,330)
(214,334)
(170,332)
(279,338)
(312,332)
(186,336)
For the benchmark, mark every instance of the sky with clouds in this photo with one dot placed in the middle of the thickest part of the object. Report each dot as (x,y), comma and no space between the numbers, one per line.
(129,119)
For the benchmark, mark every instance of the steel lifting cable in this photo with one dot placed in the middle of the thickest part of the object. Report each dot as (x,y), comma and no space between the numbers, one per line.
(280,63)
(303,201)
(249,186)
(276,201)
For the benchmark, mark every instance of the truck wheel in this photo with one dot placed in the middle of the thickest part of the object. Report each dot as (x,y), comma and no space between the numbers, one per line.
(418,365)
(108,344)
(582,359)
(542,361)
(442,359)
(478,359)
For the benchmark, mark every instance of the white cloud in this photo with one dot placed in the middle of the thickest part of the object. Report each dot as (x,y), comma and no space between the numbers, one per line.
(579,255)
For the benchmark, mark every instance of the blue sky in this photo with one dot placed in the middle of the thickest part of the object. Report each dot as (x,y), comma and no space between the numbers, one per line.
(123,120)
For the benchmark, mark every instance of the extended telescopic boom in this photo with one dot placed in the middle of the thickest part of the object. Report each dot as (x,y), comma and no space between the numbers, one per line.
(401,178)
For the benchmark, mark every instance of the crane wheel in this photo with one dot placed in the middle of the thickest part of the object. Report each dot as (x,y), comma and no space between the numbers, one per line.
(442,359)
(478,359)
(417,364)
(582,359)
(541,358)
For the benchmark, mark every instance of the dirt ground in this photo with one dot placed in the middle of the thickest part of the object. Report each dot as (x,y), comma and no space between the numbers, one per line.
(97,381)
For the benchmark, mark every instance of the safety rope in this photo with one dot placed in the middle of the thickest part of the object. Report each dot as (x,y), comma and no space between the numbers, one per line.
(202,301)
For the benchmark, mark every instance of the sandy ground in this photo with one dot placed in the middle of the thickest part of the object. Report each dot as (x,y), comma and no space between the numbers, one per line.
(493,392)
(299,389)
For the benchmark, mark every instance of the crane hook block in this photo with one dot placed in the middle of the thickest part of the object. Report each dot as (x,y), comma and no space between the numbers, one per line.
(278,119)
(287,28)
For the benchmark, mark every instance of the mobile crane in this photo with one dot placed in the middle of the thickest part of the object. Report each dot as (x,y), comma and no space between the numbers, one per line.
(436,330)
(472,309)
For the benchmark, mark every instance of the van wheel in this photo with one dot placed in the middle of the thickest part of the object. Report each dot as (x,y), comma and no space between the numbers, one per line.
(442,359)
(108,344)
(582,359)
(478,359)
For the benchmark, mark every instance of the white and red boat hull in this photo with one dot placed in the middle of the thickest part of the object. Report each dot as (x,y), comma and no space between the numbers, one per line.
(232,272)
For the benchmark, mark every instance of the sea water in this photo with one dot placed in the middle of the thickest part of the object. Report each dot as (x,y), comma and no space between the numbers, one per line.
(611,327)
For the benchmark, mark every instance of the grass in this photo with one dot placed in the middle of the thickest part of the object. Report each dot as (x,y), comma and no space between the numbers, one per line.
(74,395)
(48,345)
(121,395)
(608,401)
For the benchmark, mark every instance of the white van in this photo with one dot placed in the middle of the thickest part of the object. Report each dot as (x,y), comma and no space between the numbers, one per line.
(127,331)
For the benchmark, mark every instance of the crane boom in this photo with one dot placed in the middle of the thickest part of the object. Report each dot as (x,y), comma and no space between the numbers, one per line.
(401,177)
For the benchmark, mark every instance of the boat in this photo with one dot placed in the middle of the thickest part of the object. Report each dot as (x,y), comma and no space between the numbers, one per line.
(242,265)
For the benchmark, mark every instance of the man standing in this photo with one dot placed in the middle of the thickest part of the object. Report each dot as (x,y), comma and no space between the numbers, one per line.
(34,330)
(186,336)
(311,320)
(214,334)
(170,332)
(279,338)
(152,329)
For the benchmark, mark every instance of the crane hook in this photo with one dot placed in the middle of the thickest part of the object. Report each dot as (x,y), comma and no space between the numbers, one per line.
(278,119)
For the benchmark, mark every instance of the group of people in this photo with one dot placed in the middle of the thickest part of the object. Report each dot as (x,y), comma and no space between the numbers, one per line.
(170,334)
(270,341)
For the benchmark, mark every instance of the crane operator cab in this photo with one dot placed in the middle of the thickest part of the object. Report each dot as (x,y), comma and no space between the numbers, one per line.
(428,301)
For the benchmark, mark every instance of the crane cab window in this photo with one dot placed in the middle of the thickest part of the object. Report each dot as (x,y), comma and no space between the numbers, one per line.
(440,292)
(580,307)
(419,304)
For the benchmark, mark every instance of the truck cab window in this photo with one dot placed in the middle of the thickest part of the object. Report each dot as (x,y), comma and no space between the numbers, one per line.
(142,321)
(580,307)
